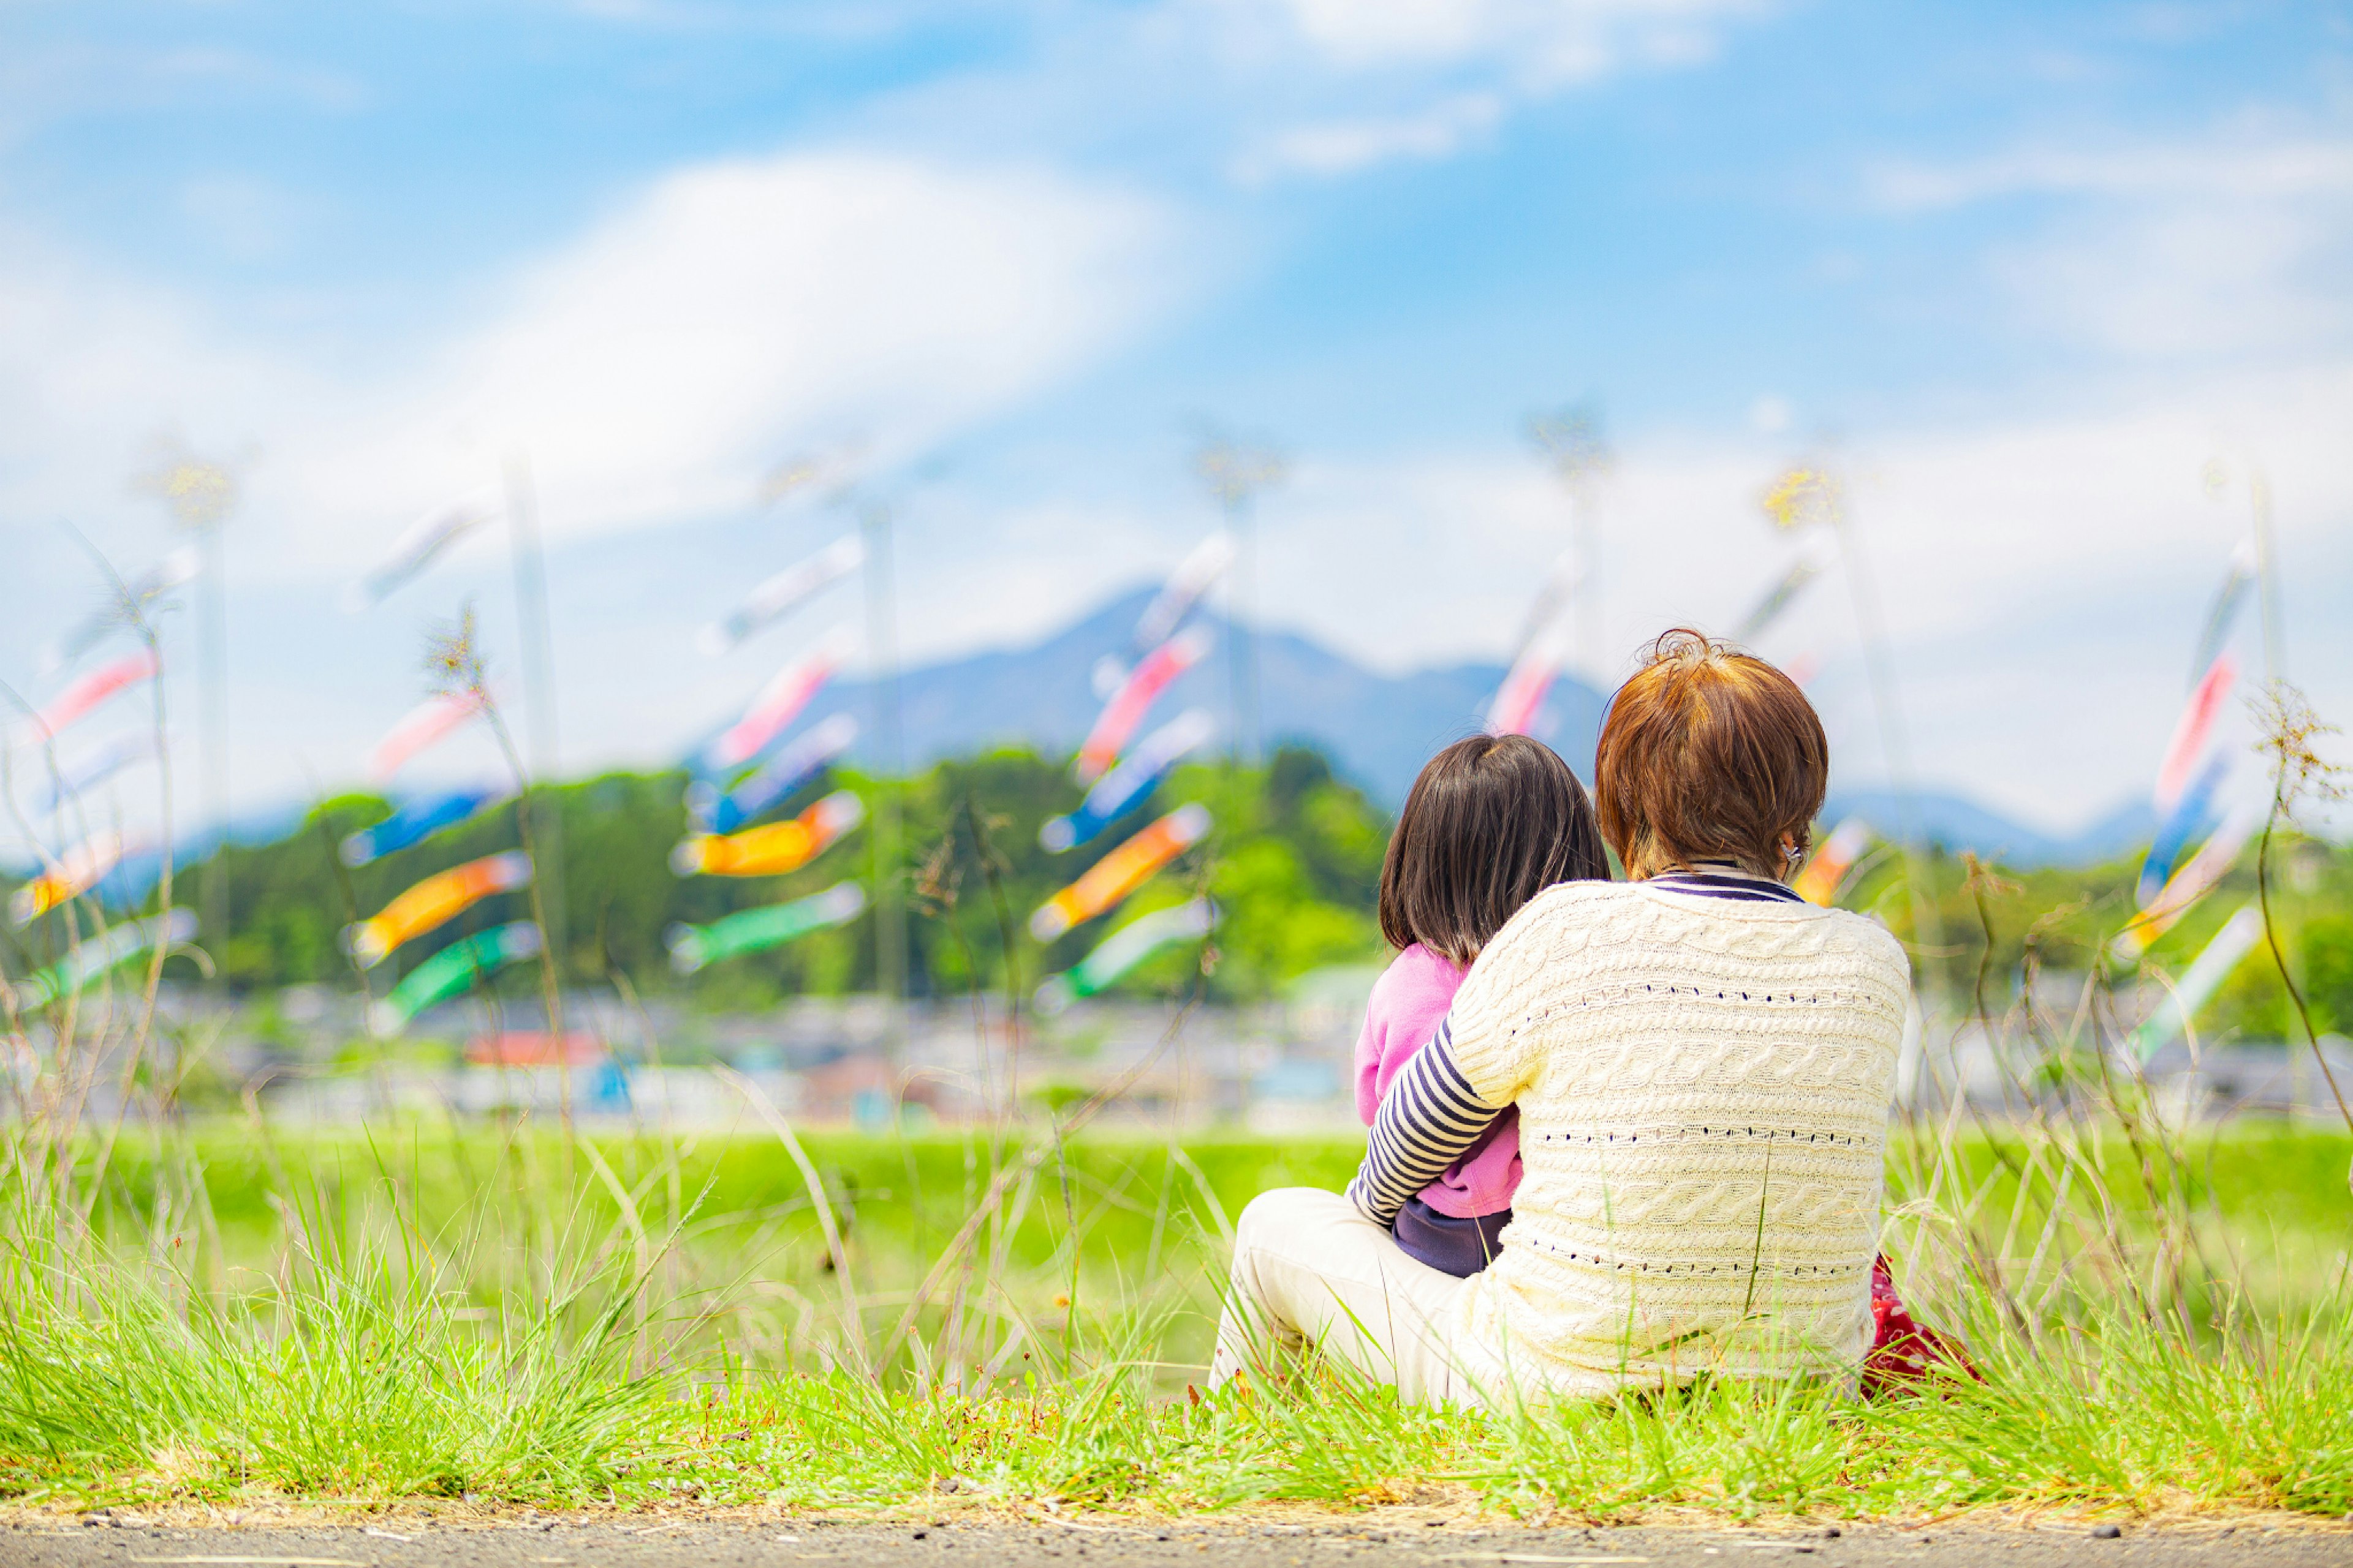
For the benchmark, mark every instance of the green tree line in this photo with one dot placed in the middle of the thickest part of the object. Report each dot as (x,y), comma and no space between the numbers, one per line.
(1292,863)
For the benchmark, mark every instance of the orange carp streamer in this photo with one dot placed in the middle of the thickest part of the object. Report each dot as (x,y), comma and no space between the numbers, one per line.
(2192,882)
(1819,882)
(68,877)
(1121,872)
(438,898)
(772,850)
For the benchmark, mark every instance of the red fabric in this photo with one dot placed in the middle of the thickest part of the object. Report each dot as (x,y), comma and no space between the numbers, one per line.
(1901,1349)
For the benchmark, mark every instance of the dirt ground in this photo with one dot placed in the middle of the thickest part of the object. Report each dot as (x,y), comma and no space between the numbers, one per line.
(1399,1537)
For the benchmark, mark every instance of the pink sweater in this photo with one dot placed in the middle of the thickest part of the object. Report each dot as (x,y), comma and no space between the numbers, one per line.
(1409,1001)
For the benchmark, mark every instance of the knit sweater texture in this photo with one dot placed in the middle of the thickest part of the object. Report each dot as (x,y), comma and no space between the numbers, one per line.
(1703,1090)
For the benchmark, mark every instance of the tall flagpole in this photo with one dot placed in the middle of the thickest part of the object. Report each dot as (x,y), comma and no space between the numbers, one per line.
(1235,473)
(882,654)
(1813,497)
(1571,441)
(539,696)
(200,495)
(2258,490)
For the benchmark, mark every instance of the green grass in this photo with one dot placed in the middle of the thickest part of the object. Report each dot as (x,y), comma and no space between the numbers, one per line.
(419,1314)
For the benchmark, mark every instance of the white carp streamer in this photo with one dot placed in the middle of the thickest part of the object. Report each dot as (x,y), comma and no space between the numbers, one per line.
(122,606)
(784,593)
(417,548)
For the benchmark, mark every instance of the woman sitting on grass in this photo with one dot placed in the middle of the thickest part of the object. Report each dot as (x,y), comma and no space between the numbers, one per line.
(1702,1064)
(1491,822)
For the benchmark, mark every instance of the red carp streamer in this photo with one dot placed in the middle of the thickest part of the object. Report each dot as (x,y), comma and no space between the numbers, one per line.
(2189,733)
(1135,698)
(424,725)
(779,703)
(1521,697)
(77,701)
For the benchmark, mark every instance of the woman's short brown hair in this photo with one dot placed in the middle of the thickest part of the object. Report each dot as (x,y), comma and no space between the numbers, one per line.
(1492,822)
(1709,753)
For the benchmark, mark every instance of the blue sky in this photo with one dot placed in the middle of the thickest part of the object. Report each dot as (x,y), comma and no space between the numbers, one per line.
(2019,271)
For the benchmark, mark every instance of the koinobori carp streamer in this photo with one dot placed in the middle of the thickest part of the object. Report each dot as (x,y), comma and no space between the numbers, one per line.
(753,931)
(2190,732)
(89,770)
(783,593)
(417,548)
(1819,882)
(1126,786)
(1123,950)
(1112,879)
(434,901)
(2193,814)
(93,958)
(1521,697)
(424,726)
(778,705)
(452,970)
(1194,576)
(1809,564)
(2198,983)
(1135,698)
(415,821)
(773,850)
(2194,879)
(123,605)
(68,877)
(83,698)
(795,764)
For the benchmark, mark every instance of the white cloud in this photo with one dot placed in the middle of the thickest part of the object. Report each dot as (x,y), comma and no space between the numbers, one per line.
(240,216)
(1345,146)
(1542,42)
(659,363)
(2044,580)
(1446,71)
(2222,168)
(653,367)
(2234,244)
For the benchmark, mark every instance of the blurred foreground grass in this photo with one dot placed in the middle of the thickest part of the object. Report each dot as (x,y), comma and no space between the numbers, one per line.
(411,1311)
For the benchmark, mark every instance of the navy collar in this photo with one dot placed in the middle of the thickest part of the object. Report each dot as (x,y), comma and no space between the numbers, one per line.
(1720,879)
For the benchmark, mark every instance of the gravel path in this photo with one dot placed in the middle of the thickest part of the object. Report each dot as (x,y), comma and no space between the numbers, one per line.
(409,1542)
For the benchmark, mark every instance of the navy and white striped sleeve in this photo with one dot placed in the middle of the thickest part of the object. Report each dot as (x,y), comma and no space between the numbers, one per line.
(1428,1118)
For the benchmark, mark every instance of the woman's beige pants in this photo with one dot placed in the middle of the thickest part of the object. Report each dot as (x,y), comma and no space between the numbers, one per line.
(1310,1270)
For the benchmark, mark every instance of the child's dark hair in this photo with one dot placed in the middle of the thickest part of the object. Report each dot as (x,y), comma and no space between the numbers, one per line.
(1492,822)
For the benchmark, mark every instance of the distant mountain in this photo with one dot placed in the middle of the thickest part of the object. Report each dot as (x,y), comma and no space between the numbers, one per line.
(1956,822)
(1377,729)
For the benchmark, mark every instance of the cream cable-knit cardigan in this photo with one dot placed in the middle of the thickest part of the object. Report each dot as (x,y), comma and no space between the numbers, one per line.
(1705,1089)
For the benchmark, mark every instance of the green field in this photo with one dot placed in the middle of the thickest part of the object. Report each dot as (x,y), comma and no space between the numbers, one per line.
(413,1312)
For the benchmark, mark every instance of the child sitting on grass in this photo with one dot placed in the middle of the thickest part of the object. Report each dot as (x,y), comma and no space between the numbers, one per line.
(1491,822)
